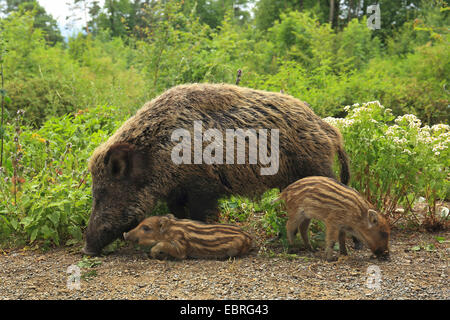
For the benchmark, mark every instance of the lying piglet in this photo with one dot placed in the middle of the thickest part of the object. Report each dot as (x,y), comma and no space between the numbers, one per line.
(181,238)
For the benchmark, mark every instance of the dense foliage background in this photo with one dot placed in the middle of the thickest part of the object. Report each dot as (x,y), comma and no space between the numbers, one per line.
(63,97)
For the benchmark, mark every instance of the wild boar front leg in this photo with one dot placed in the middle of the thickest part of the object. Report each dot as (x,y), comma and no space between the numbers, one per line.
(331,238)
(295,218)
(165,248)
(357,244)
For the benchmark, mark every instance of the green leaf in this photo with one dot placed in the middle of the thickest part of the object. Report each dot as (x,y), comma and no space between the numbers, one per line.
(7,99)
(415,248)
(27,221)
(67,208)
(54,218)
(87,262)
(440,239)
(33,235)
(75,232)
(47,232)
(14,223)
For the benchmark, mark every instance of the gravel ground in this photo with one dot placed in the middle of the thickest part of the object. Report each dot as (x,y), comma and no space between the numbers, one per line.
(416,271)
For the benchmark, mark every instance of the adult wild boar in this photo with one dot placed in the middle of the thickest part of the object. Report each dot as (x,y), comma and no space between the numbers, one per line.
(139,164)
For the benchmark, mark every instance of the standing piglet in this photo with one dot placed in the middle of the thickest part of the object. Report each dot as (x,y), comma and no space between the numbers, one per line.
(182,238)
(341,208)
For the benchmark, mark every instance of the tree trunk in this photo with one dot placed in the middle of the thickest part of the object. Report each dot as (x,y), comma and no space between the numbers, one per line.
(111,17)
(358,8)
(350,7)
(331,12)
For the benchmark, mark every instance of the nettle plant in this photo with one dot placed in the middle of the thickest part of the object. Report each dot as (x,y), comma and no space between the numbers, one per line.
(397,161)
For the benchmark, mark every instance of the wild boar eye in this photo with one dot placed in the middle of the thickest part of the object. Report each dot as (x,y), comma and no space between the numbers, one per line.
(384,234)
(146,229)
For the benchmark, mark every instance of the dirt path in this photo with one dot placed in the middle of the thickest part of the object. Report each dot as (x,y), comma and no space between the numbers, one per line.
(418,270)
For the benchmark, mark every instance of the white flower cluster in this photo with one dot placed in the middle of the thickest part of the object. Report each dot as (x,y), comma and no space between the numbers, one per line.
(339,122)
(440,127)
(355,105)
(412,120)
(438,148)
(437,136)
(399,141)
(424,135)
(405,134)
(365,107)
(445,137)
(358,111)
(408,152)
(333,121)
(394,131)
(376,102)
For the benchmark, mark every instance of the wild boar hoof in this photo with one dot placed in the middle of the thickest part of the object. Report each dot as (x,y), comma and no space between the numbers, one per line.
(332,259)
(292,250)
(357,245)
(384,258)
(158,254)
(88,252)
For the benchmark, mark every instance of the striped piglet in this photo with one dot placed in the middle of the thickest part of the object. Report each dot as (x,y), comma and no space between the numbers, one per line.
(182,238)
(341,208)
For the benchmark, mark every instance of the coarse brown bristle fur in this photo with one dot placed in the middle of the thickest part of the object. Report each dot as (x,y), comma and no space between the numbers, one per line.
(228,106)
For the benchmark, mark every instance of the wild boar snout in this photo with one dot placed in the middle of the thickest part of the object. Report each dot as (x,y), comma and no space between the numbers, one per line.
(382,254)
(130,236)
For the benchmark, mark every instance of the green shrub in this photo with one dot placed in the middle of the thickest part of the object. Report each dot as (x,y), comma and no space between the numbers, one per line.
(236,209)
(241,209)
(44,184)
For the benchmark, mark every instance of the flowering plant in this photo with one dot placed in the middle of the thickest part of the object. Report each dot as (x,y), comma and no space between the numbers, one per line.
(396,161)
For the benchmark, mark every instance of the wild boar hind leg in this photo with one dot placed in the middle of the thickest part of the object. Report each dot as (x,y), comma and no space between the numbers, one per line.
(304,225)
(165,249)
(342,248)
(296,222)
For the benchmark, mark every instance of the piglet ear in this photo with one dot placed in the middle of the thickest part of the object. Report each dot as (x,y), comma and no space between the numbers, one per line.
(164,223)
(119,159)
(372,216)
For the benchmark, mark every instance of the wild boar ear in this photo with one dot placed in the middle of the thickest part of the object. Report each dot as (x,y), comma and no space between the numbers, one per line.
(372,215)
(118,159)
(123,160)
(164,223)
